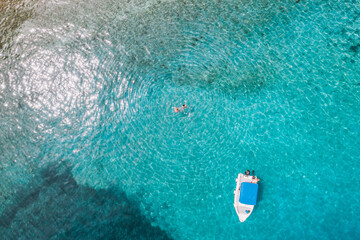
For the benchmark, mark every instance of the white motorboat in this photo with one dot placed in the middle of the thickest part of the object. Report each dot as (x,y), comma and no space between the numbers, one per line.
(245,194)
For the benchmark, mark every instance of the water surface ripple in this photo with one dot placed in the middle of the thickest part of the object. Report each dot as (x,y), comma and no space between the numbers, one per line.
(91,147)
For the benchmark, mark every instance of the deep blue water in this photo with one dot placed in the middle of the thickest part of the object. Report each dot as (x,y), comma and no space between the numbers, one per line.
(90,147)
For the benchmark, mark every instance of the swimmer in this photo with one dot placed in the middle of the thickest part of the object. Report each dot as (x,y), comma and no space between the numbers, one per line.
(178,109)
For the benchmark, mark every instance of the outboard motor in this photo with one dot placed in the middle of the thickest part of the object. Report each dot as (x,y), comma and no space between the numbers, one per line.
(247,173)
(253,174)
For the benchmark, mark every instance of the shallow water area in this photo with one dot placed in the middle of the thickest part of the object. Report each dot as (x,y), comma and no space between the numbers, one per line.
(91,147)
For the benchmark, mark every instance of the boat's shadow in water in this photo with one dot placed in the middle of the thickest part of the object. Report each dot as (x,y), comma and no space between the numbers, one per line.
(260,192)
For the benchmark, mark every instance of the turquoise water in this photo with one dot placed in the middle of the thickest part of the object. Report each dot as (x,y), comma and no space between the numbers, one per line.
(90,147)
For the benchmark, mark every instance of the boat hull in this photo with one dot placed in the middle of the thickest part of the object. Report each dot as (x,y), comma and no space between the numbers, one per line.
(243,210)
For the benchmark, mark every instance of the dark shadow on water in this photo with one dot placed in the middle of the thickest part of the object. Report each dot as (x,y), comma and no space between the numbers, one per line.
(12,15)
(260,192)
(58,208)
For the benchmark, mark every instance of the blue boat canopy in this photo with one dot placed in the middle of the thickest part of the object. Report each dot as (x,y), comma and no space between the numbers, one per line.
(248,193)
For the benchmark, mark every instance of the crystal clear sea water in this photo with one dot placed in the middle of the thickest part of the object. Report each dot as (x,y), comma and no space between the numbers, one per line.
(90,147)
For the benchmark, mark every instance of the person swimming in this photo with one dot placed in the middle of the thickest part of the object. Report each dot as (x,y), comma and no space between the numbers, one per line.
(183,107)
